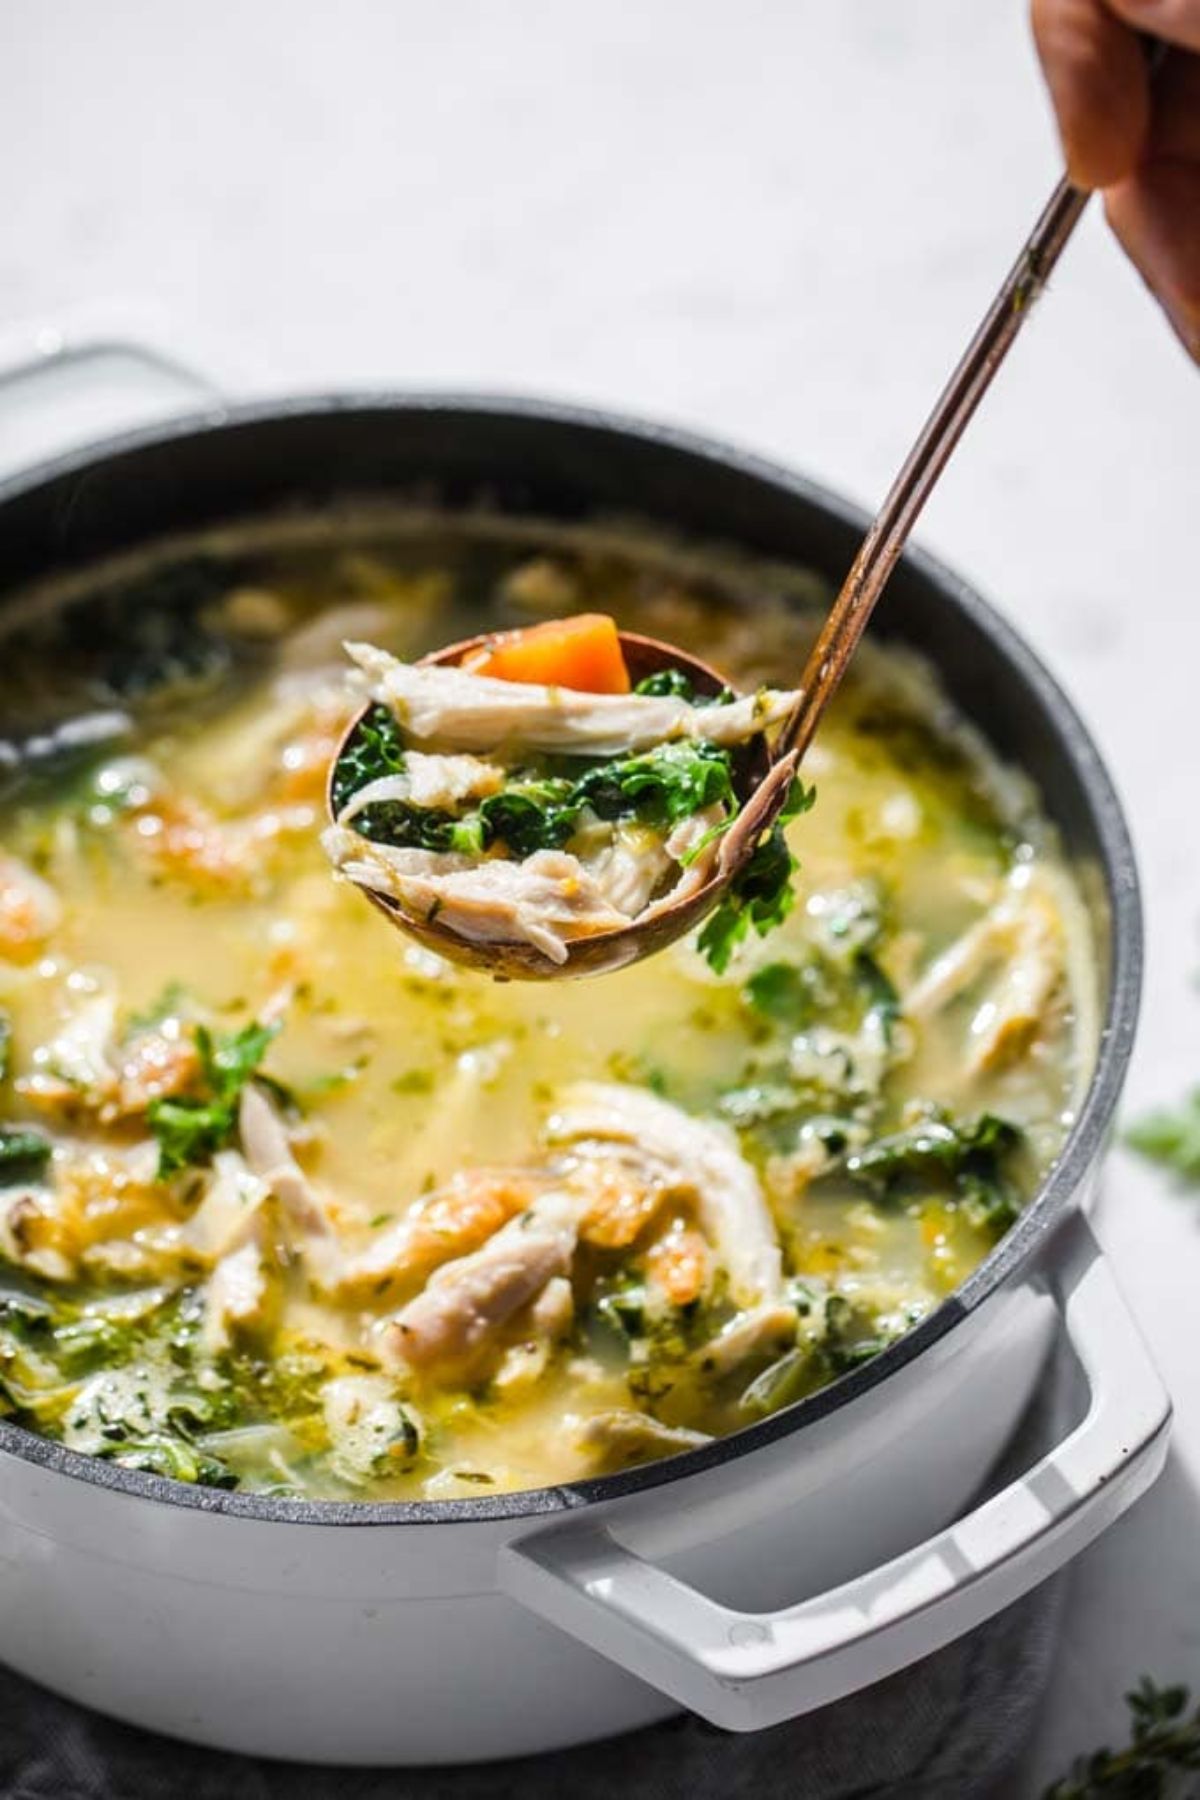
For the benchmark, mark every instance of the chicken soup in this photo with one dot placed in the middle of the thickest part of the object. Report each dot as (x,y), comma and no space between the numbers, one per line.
(294,1205)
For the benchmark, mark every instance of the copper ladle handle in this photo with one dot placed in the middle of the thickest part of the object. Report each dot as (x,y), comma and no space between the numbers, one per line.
(881,548)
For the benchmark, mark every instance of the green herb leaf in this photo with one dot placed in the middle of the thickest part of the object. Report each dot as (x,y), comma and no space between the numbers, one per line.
(1171,1135)
(761,897)
(5,1045)
(1164,1742)
(166,1006)
(542,812)
(191,1130)
(660,786)
(971,1157)
(23,1154)
(782,992)
(666,683)
(376,749)
(879,990)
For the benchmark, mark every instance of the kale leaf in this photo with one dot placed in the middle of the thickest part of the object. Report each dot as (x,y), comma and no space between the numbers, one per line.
(1171,1135)
(23,1154)
(660,786)
(667,683)
(375,749)
(761,896)
(190,1129)
(971,1157)
(789,994)
(170,1453)
(934,1145)
(677,685)
(542,812)
(879,992)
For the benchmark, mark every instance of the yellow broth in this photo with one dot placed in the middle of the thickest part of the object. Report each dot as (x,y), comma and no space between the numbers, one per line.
(934,968)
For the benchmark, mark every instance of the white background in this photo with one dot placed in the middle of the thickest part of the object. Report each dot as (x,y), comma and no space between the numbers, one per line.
(778,221)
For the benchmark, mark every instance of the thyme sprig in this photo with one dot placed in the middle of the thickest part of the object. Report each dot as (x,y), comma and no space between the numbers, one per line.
(1164,1745)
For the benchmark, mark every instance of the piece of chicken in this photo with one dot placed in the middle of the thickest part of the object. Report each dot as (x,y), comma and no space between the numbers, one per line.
(764,1331)
(693,1156)
(1021,942)
(547,901)
(236,1296)
(226,1214)
(620,1440)
(268,1151)
(455,710)
(439,783)
(458,1313)
(447,1224)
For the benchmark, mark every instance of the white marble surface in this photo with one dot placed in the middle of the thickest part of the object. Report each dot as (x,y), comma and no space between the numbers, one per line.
(776,221)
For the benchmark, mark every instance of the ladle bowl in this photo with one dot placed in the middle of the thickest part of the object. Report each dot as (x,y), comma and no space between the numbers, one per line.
(761,786)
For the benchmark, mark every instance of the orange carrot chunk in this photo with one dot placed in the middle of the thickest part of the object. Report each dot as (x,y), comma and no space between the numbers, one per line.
(583,653)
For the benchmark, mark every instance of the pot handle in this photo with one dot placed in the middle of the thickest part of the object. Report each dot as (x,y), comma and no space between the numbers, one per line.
(74,380)
(748,1670)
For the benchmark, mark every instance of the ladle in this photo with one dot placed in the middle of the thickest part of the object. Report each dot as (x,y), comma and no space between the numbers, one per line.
(763,774)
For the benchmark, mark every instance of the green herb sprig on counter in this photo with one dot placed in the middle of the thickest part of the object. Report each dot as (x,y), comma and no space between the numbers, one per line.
(192,1128)
(1171,1136)
(1165,1743)
(761,897)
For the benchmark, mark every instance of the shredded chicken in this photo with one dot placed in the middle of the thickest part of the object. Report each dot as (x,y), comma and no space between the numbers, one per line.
(447,1224)
(629,868)
(460,711)
(228,1210)
(547,901)
(236,1296)
(467,1301)
(618,1440)
(72,1070)
(1022,940)
(437,782)
(763,1332)
(691,1155)
(268,1151)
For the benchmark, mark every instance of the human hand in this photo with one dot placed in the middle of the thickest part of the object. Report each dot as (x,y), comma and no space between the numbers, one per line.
(1140,146)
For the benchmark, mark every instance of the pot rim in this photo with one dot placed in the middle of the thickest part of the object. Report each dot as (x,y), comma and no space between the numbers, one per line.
(1015,1249)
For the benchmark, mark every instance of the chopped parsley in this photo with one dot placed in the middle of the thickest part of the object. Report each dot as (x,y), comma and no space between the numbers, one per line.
(190,1129)
(761,896)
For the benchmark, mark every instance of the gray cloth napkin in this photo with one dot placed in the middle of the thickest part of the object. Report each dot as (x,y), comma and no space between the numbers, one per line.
(950,1728)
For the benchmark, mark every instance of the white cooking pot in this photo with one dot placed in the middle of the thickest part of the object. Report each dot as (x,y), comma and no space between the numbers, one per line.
(752,1580)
